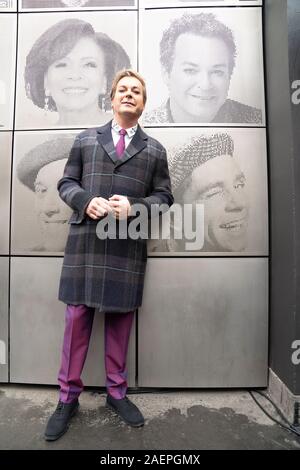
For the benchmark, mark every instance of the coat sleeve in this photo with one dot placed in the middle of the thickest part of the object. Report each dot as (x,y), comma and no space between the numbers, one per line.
(69,186)
(161,192)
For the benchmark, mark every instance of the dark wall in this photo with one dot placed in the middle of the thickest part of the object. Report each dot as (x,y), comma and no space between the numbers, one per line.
(283,120)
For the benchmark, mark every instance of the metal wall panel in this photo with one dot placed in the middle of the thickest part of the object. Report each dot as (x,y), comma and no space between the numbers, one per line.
(8,30)
(251,207)
(37,325)
(31,232)
(4,263)
(5,165)
(204,323)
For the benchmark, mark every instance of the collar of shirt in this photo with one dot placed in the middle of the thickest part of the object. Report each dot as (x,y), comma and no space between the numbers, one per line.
(130,131)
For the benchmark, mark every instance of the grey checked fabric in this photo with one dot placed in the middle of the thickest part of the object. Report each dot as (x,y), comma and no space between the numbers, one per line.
(109,274)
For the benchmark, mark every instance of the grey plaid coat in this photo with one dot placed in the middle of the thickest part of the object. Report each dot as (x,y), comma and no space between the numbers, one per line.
(108,274)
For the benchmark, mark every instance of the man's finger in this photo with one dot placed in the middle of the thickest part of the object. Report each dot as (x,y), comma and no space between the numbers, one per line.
(103,206)
(114,203)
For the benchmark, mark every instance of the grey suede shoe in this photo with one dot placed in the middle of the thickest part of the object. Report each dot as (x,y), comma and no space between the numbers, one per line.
(59,422)
(127,411)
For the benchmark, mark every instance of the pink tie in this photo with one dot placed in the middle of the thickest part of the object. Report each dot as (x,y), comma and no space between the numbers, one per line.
(120,147)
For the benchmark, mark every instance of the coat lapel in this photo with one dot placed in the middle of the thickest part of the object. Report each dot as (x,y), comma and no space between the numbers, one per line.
(137,144)
(105,139)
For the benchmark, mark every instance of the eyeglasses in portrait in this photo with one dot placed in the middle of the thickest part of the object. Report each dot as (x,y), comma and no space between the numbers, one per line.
(206,67)
(219,183)
(39,217)
(67,66)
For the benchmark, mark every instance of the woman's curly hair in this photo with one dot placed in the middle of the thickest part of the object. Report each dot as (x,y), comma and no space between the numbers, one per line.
(55,43)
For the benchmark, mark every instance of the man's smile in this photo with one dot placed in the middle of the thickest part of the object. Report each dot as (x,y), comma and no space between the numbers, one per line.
(202,97)
(55,221)
(234,225)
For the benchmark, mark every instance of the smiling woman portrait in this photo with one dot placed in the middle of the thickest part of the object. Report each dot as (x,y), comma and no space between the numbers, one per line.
(69,70)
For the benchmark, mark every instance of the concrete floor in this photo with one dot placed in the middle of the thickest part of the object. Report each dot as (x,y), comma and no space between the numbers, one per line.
(174,420)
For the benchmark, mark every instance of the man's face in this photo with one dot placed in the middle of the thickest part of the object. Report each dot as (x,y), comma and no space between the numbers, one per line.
(53,213)
(128,100)
(199,79)
(219,184)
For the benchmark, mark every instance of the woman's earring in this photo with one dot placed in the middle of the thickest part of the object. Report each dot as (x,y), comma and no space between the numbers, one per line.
(46,105)
(28,92)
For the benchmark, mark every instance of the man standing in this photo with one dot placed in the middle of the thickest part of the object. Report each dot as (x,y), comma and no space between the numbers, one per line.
(109,169)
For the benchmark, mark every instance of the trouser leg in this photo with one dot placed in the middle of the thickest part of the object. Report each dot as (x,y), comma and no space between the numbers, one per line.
(78,327)
(117,333)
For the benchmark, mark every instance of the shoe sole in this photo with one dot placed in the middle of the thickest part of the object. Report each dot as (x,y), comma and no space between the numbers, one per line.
(54,438)
(134,425)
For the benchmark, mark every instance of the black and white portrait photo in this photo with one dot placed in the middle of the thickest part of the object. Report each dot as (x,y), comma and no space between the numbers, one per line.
(7,70)
(76,4)
(222,172)
(206,66)
(39,216)
(191,3)
(8,5)
(66,65)
(5,165)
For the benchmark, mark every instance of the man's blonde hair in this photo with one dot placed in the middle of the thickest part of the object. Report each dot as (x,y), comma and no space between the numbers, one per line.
(128,73)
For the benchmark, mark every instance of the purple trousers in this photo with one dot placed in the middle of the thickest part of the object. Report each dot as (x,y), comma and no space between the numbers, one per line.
(78,328)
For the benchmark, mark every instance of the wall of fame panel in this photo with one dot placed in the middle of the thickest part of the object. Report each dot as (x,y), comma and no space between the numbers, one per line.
(209,323)
(37,326)
(197,3)
(219,182)
(39,217)
(5,171)
(81,5)
(66,65)
(206,66)
(203,66)
(8,23)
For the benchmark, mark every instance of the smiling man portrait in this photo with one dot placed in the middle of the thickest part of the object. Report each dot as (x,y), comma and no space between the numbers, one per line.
(207,176)
(198,56)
